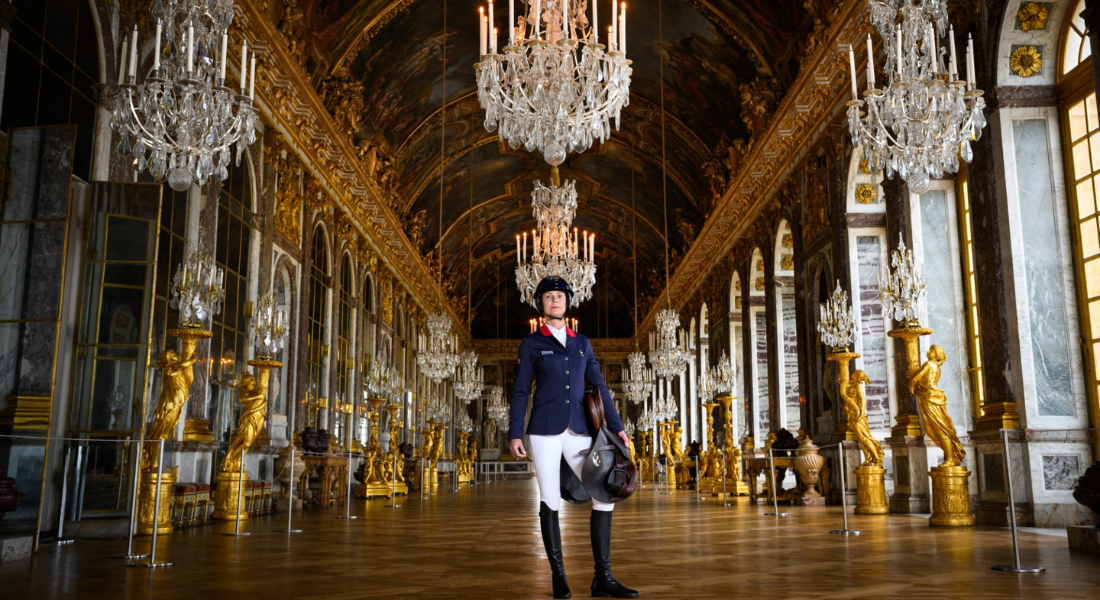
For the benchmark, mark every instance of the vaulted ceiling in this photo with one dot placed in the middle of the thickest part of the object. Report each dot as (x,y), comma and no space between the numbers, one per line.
(706,49)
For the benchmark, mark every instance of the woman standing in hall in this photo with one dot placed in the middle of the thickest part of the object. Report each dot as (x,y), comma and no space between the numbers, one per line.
(561,361)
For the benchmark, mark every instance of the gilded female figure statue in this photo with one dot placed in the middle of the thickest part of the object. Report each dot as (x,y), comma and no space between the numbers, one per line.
(933,408)
(177,377)
(855,406)
(253,413)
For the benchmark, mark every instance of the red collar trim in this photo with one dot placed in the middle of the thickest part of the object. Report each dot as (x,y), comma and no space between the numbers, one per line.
(545,330)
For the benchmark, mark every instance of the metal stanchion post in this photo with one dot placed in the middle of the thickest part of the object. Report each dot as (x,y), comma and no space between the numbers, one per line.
(725,476)
(698,476)
(61,539)
(393,487)
(153,564)
(240,495)
(1017,567)
(290,498)
(424,480)
(843,497)
(347,495)
(772,486)
(136,467)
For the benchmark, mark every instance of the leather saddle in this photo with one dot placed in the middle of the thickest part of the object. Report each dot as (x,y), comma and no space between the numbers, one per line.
(608,474)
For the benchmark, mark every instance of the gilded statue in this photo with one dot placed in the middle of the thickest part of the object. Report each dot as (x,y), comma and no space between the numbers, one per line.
(426,443)
(253,413)
(677,450)
(855,406)
(437,444)
(933,408)
(177,377)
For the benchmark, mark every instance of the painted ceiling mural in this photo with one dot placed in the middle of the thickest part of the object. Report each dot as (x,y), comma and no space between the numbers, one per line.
(710,52)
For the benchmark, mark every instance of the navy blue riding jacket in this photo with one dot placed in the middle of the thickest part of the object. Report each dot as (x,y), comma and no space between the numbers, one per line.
(560,374)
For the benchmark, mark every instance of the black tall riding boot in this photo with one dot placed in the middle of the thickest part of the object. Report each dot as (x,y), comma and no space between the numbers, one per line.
(551,539)
(604,584)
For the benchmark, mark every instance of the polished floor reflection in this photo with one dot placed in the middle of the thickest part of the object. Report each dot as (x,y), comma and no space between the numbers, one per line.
(484,542)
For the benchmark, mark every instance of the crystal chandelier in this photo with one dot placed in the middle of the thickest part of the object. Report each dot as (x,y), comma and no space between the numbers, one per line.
(436,356)
(724,377)
(555,250)
(463,422)
(639,381)
(181,120)
(836,324)
(497,409)
(468,380)
(707,384)
(669,358)
(666,409)
(923,120)
(901,288)
(270,330)
(198,288)
(554,87)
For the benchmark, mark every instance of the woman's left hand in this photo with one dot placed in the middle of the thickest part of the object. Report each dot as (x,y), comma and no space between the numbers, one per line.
(625,438)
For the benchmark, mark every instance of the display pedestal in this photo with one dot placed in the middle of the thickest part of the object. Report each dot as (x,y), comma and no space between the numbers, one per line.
(871,491)
(225,505)
(147,502)
(950,497)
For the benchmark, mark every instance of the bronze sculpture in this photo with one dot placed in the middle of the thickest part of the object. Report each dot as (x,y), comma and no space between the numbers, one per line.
(933,407)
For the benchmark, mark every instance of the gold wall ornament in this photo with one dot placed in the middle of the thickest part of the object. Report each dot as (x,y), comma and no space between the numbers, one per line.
(787,262)
(737,285)
(342,95)
(760,284)
(864,167)
(1033,16)
(788,240)
(932,403)
(737,302)
(760,265)
(1026,61)
(866,193)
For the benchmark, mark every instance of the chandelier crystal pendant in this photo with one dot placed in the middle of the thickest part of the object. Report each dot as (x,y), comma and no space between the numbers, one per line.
(436,356)
(468,378)
(707,384)
(182,119)
(198,288)
(639,381)
(924,118)
(724,376)
(670,357)
(836,325)
(554,88)
(555,248)
(902,287)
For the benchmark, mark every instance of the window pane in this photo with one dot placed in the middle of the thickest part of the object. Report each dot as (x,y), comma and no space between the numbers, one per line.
(1090,242)
(1081,158)
(1092,278)
(1086,201)
(1078,127)
(1090,112)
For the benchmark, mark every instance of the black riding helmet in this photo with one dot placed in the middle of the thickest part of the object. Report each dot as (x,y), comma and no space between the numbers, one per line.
(552,283)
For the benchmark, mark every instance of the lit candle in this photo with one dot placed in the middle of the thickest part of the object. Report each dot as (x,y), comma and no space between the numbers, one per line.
(951,42)
(252,79)
(156,50)
(190,48)
(852,68)
(538,19)
(592,247)
(622,30)
(512,22)
(484,30)
(221,57)
(870,64)
(244,63)
(122,62)
(133,54)
(935,49)
(611,37)
(492,30)
(518,260)
(524,246)
(585,246)
(495,34)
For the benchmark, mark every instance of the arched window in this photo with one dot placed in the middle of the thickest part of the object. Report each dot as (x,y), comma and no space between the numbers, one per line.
(1081,138)
(790,416)
(229,346)
(344,358)
(317,326)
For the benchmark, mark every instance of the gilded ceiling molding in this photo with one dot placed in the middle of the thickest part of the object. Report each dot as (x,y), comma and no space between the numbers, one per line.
(815,98)
(288,99)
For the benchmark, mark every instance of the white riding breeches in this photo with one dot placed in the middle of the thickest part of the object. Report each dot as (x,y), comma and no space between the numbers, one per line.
(547,452)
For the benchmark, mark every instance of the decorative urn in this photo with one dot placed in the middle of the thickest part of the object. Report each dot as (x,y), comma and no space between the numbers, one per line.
(808,463)
(1087,490)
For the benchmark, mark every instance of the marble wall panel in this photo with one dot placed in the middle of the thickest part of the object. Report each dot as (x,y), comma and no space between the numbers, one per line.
(1060,472)
(872,333)
(792,411)
(763,412)
(940,251)
(1050,337)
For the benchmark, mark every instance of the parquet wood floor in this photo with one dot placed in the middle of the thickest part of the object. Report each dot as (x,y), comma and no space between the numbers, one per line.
(484,543)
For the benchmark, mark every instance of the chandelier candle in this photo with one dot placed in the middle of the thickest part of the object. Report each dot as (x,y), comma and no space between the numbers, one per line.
(122,64)
(133,54)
